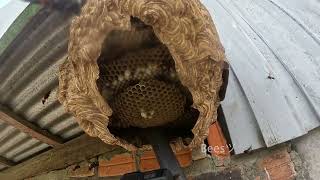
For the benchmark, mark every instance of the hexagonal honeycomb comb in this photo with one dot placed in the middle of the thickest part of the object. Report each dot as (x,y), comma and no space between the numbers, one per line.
(143,88)
(149,103)
(136,66)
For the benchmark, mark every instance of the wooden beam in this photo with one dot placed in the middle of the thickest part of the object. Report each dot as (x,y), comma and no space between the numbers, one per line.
(74,151)
(29,128)
(6,162)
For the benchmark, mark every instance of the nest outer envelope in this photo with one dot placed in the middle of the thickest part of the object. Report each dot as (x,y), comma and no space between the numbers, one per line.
(184,26)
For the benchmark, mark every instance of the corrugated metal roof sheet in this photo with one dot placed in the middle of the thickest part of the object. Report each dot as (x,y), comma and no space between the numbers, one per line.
(16,145)
(28,72)
(273,93)
(273,48)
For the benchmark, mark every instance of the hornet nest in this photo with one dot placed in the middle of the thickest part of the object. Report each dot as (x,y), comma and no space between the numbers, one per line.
(137,64)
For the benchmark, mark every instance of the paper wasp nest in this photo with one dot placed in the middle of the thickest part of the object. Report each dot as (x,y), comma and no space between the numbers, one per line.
(135,64)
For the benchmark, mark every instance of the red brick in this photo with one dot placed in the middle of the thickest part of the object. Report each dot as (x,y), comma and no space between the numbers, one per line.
(125,163)
(217,141)
(184,158)
(117,159)
(277,159)
(148,160)
(278,165)
(118,165)
(282,172)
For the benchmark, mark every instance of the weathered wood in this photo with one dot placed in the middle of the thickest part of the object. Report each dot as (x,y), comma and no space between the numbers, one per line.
(74,151)
(27,127)
(6,162)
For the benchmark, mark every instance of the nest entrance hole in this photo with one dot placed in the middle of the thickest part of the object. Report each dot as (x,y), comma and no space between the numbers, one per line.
(137,78)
